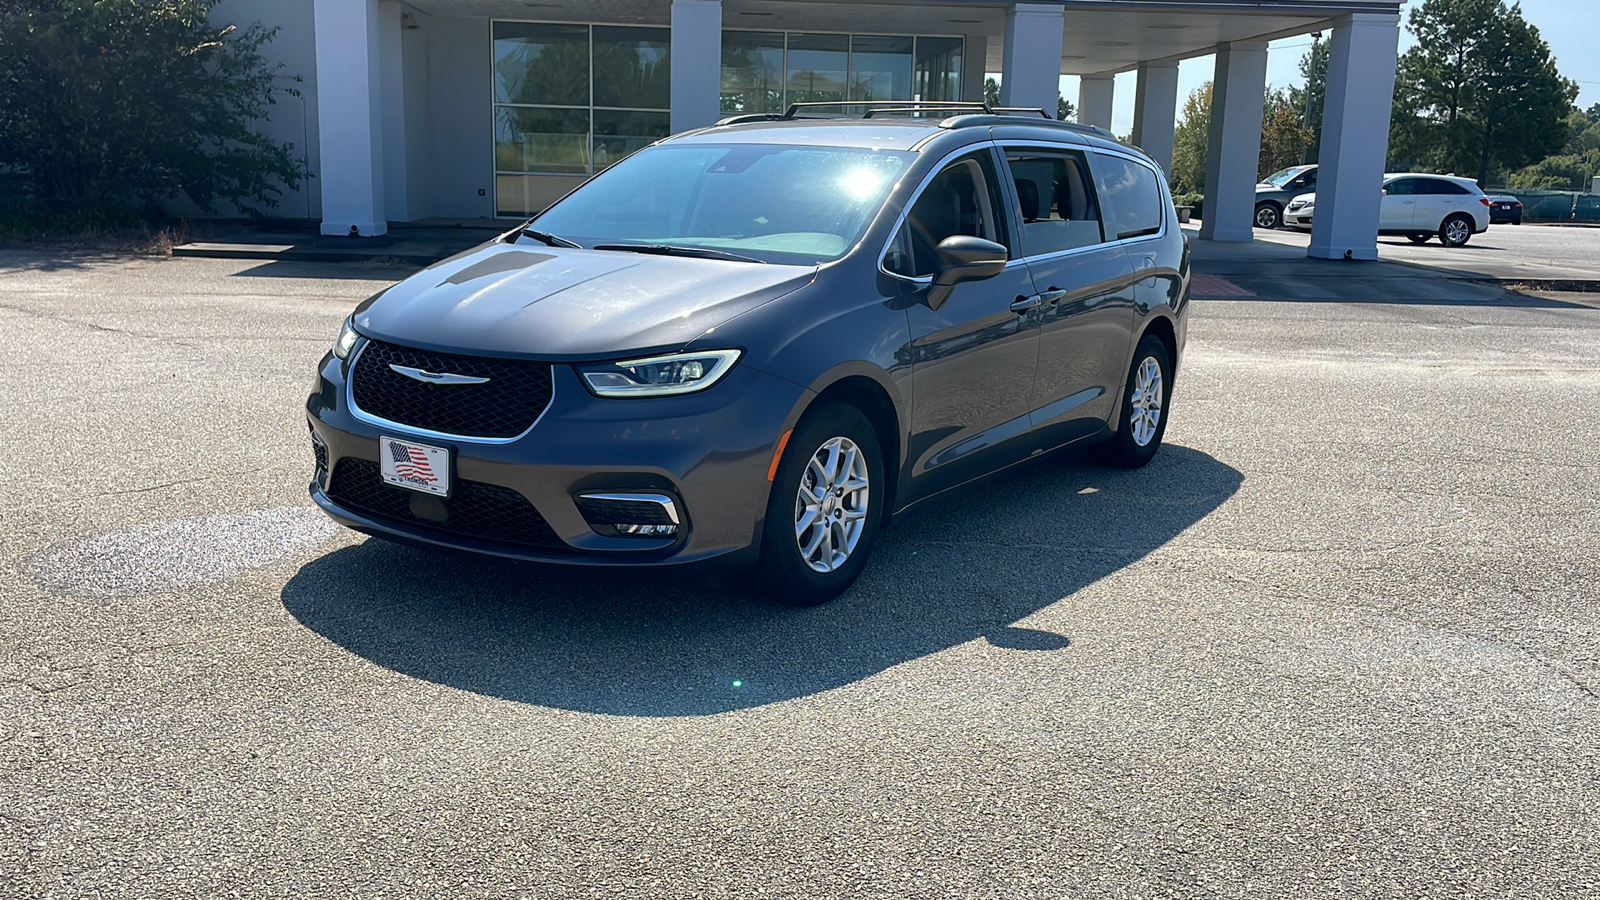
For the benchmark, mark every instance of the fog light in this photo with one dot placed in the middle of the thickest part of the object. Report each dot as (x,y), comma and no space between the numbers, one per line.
(643,514)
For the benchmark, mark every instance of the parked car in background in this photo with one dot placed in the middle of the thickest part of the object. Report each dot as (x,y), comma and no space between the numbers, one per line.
(1278,190)
(1420,207)
(1505,209)
(751,344)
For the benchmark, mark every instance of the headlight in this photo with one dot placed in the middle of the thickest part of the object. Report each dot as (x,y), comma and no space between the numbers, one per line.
(346,341)
(1301,204)
(677,373)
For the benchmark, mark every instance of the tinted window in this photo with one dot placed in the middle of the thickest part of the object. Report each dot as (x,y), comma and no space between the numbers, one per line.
(1057,201)
(1130,197)
(1402,188)
(1438,186)
(961,199)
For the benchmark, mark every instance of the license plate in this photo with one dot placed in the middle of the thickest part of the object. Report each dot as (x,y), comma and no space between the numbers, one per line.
(1505,206)
(415,467)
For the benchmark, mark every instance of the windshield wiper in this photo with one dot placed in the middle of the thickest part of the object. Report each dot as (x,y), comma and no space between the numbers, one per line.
(549,239)
(675,250)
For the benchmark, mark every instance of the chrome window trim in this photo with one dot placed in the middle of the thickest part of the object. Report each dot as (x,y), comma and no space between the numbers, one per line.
(916,194)
(380,422)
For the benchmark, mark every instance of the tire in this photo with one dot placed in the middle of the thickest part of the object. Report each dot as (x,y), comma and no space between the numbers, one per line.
(1419,238)
(787,571)
(1133,446)
(1268,215)
(1455,231)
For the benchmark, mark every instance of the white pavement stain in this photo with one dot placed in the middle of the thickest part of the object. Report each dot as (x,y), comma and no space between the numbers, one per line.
(168,556)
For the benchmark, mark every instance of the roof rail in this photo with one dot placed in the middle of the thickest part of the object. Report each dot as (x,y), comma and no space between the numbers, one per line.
(973,120)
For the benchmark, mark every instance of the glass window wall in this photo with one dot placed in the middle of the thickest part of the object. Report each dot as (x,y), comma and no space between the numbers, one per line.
(572,100)
(765,71)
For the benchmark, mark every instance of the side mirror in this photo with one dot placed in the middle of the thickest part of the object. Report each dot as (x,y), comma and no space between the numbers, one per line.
(963,258)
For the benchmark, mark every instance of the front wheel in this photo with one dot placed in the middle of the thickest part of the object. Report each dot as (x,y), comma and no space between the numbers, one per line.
(1456,231)
(1143,418)
(1268,216)
(826,506)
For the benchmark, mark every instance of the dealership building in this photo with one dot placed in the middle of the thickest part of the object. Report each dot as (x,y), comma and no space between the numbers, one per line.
(494,108)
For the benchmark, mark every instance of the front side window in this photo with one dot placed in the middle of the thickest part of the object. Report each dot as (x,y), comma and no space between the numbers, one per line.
(1403,187)
(774,202)
(1056,199)
(961,200)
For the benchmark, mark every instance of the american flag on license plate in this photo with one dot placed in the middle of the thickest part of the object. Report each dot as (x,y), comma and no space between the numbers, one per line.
(412,463)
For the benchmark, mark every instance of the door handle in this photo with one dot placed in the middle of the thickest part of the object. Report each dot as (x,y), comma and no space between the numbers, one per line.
(1052,296)
(1023,304)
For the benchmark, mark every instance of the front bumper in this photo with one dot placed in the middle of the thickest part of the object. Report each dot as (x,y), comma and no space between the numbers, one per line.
(709,451)
(1301,219)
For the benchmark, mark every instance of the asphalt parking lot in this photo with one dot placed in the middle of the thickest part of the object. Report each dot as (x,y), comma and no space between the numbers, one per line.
(1341,639)
(1532,252)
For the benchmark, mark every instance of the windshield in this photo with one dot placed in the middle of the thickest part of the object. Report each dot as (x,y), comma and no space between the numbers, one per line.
(1279,179)
(770,202)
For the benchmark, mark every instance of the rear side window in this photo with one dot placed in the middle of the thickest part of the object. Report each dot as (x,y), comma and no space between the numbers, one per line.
(1438,186)
(1130,196)
(1405,187)
(1057,200)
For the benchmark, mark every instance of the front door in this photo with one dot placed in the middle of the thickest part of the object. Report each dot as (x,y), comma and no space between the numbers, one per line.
(973,358)
(1085,284)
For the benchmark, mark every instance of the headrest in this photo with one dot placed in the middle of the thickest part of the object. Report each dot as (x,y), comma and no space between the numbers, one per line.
(1028,199)
(1072,195)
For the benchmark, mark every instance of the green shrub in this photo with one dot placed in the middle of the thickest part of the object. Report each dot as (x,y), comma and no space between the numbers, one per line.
(1195,201)
(111,107)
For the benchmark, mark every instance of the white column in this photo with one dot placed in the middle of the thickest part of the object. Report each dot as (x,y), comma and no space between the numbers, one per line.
(392,91)
(974,59)
(696,63)
(1238,96)
(1031,70)
(350,116)
(1355,136)
(1096,96)
(1155,111)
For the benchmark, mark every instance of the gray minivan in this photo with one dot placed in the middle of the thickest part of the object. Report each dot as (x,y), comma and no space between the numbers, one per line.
(752,344)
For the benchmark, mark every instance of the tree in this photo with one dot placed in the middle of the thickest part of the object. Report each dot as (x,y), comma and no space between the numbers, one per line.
(113,106)
(1190,141)
(1478,92)
(991,95)
(1308,102)
(1284,135)
(1571,172)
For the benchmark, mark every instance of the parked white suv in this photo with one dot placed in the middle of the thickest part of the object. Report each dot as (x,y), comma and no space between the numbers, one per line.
(1417,206)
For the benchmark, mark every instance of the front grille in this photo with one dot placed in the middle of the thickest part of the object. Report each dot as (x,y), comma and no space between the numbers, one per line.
(505,406)
(486,512)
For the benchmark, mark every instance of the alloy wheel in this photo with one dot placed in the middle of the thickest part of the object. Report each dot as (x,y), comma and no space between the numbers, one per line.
(830,509)
(1456,232)
(1146,400)
(1266,216)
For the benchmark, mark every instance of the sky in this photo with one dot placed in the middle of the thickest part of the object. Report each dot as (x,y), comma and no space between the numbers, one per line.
(1570,27)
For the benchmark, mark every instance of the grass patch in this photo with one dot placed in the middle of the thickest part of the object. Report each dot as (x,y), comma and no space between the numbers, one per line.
(100,232)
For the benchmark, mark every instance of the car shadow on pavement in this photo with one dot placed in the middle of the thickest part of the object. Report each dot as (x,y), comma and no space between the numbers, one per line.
(641,643)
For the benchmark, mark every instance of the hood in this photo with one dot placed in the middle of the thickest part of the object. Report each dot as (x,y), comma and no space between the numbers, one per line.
(557,303)
(1309,198)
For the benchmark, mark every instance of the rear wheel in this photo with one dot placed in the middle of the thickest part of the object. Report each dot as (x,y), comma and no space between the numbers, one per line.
(1455,231)
(1143,418)
(1268,215)
(1420,238)
(825,509)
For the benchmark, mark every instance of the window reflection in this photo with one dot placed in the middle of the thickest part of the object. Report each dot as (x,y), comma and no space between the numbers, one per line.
(880,68)
(752,72)
(818,67)
(631,68)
